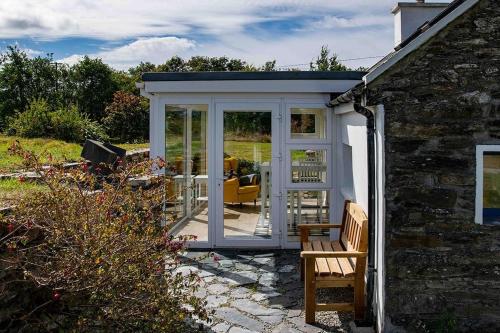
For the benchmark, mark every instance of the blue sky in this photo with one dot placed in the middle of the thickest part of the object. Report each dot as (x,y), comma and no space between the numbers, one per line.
(125,32)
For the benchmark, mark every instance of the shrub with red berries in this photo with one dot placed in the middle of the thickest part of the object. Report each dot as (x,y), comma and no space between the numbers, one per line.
(94,260)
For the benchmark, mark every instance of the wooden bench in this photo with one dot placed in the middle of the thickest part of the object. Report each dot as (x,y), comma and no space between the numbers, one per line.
(333,264)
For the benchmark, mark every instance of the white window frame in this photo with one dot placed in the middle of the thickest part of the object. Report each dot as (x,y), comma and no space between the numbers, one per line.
(308,186)
(246,106)
(306,140)
(161,141)
(480,150)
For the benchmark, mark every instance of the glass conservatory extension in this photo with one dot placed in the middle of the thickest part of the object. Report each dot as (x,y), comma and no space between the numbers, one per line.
(249,156)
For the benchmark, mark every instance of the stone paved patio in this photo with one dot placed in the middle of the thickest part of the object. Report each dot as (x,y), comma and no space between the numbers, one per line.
(260,292)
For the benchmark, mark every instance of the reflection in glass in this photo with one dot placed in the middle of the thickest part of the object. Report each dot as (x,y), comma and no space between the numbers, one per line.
(247,172)
(308,166)
(308,123)
(491,188)
(186,156)
(306,207)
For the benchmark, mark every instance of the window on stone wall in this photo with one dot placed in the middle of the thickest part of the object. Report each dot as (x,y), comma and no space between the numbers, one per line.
(488,184)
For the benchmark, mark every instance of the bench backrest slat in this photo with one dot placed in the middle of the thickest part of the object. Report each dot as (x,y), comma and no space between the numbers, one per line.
(354,230)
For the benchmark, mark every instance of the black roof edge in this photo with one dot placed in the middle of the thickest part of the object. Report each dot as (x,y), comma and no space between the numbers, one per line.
(235,76)
(452,6)
(347,96)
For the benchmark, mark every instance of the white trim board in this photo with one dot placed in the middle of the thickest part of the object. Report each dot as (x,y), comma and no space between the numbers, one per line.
(253,86)
(417,42)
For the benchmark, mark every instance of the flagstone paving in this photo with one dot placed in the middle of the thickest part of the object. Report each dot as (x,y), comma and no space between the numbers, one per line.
(260,292)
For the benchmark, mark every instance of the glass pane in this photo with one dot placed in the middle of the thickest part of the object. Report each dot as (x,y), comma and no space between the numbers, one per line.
(308,123)
(247,173)
(307,207)
(491,188)
(308,166)
(186,155)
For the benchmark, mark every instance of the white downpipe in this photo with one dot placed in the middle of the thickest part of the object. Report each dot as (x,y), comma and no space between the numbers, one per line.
(379,289)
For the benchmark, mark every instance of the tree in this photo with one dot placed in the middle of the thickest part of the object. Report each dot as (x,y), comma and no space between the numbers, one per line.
(23,79)
(214,64)
(269,66)
(143,67)
(362,69)
(325,62)
(89,84)
(174,64)
(127,117)
(235,65)
(14,80)
(124,81)
(93,86)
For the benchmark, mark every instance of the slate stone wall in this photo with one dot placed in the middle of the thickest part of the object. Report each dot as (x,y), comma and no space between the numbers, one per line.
(443,270)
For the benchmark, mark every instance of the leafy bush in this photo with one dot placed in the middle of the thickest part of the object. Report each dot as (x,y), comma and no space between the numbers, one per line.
(64,123)
(127,118)
(34,122)
(246,167)
(82,260)
(93,130)
(69,125)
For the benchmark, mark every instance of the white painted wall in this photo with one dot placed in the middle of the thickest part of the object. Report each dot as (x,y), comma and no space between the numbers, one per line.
(408,18)
(351,131)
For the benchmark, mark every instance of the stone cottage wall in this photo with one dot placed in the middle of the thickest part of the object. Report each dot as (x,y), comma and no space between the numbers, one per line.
(443,270)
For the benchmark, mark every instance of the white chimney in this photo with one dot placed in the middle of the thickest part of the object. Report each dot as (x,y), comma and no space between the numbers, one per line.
(409,16)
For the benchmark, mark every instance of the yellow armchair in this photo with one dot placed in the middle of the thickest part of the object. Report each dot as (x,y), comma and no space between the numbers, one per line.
(230,163)
(234,193)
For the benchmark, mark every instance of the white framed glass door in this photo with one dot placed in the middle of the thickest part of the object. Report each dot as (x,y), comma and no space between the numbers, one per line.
(247,155)
(187,170)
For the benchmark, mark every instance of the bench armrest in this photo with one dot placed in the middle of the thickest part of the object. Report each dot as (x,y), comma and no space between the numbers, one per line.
(333,254)
(305,228)
(318,225)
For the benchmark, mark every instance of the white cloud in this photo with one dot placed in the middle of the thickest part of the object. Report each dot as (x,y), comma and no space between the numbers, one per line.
(353,29)
(118,19)
(331,22)
(73,59)
(294,49)
(303,47)
(155,50)
(31,53)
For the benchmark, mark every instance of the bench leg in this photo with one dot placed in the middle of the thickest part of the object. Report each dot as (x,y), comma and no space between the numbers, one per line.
(302,268)
(310,291)
(359,298)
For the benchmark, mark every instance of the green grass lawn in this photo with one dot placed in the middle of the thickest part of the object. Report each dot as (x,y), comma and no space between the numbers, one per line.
(61,151)
(242,150)
(245,150)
